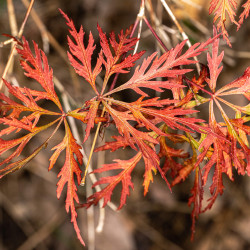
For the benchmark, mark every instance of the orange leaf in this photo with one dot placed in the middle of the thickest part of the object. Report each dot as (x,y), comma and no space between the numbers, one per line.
(67,173)
(124,177)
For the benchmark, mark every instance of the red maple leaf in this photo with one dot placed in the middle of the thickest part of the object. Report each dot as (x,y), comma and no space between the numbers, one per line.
(221,9)
(36,67)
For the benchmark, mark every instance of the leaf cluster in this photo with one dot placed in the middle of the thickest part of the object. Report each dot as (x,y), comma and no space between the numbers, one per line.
(146,125)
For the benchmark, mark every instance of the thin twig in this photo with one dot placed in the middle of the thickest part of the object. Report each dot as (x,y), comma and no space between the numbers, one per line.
(14,47)
(183,34)
(13,27)
(25,19)
(139,19)
(40,25)
(101,219)
(160,28)
(12,18)
(155,35)
(90,217)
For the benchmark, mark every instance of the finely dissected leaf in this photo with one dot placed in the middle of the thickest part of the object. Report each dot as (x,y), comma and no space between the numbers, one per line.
(131,134)
(239,86)
(135,137)
(164,66)
(215,150)
(148,114)
(83,55)
(213,64)
(138,112)
(151,68)
(221,9)
(225,154)
(226,147)
(149,156)
(69,170)
(15,122)
(28,104)
(37,67)
(117,64)
(123,177)
(6,145)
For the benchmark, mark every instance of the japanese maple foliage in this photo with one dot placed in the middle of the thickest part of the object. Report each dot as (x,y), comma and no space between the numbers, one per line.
(224,8)
(145,124)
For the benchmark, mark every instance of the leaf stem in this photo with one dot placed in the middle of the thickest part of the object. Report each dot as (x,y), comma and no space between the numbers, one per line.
(92,150)
(198,86)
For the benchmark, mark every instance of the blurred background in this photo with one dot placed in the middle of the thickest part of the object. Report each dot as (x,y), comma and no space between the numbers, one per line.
(31,217)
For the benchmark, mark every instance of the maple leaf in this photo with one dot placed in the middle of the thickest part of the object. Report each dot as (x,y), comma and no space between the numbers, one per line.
(124,176)
(113,64)
(25,113)
(127,166)
(83,55)
(37,68)
(221,8)
(166,65)
(124,45)
(39,71)
(131,136)
(66,175)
